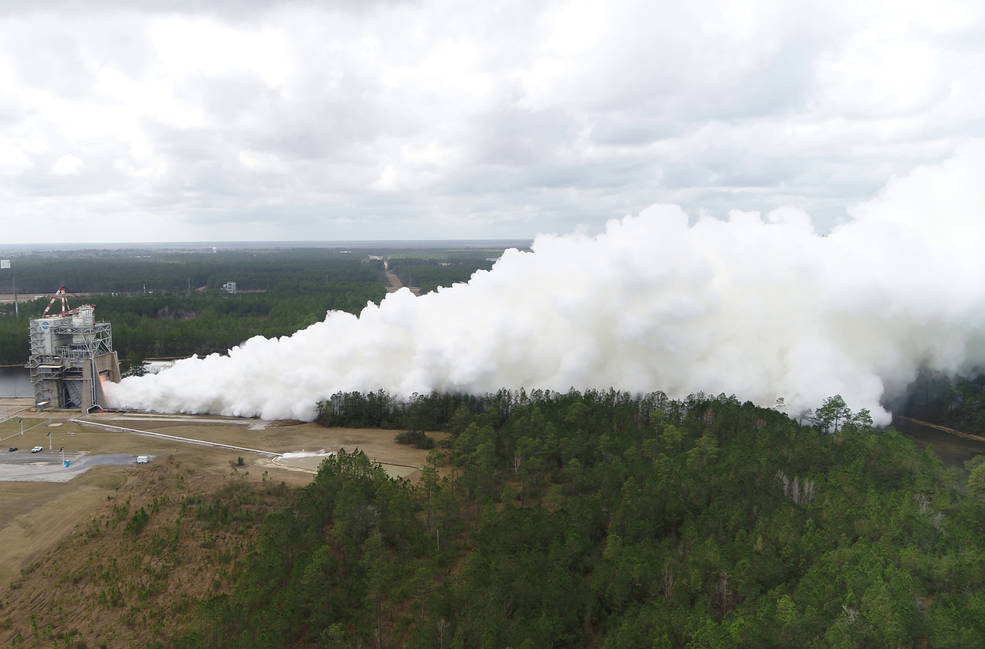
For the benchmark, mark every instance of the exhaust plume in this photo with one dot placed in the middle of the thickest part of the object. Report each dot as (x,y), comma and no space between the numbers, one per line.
(760,308)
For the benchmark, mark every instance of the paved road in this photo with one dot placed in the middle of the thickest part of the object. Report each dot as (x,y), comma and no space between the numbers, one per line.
(24,466)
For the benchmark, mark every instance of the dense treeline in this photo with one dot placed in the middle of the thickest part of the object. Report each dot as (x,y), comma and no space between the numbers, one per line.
(161,326)
(958,401)
(182,312)
(379,409)
(430,273)
(606,520)
(200,323)
(138,271)
(166,303)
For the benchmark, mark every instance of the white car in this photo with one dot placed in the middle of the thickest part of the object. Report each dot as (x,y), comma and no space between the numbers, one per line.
(142,459)
(37,449)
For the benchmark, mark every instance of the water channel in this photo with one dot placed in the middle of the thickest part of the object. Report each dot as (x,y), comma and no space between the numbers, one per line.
(15,382)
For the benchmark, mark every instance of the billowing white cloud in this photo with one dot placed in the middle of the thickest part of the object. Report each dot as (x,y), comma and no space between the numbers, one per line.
(760,308)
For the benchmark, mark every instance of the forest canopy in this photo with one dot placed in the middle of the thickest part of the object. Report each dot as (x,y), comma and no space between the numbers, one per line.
(170,303)
(602,519)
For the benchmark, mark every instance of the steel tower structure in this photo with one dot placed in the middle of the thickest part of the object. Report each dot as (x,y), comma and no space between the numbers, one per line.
(71,356)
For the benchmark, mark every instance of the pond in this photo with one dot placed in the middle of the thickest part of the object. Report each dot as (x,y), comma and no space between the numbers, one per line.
(15,382)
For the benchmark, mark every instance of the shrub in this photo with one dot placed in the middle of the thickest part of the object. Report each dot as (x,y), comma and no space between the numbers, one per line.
(416,437)
(137,524)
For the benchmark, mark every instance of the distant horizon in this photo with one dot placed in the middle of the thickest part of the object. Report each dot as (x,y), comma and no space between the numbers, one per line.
(238,245)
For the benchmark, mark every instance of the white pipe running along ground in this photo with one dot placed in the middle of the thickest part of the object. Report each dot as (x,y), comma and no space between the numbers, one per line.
(174,438)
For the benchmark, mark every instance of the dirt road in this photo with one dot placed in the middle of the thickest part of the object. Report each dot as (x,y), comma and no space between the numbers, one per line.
(952,431)
(393,282)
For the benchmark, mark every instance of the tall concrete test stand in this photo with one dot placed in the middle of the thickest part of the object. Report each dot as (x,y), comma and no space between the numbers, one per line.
(71,357)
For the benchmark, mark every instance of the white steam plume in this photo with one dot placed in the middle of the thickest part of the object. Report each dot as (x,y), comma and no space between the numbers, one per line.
(759,309)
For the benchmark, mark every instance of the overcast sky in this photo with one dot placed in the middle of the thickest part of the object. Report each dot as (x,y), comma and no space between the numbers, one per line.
(394,120)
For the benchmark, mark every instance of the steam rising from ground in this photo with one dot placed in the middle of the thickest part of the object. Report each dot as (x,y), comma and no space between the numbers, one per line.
(759,308)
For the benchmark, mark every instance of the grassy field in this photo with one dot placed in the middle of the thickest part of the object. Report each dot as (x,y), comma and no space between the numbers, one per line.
(35,516)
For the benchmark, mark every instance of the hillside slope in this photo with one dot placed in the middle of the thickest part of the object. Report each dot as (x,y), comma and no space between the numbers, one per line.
(130,577)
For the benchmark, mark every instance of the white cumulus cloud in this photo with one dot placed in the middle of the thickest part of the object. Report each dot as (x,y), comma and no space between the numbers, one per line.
(759,308)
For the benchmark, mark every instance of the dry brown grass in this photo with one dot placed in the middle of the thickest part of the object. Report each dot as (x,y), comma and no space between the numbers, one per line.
(41,524)
(106,585)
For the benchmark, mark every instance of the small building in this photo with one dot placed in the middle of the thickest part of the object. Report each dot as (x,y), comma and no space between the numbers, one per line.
(229,287)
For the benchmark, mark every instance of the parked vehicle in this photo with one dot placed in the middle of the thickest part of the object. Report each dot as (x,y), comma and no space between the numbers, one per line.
(142,459)
(12,449)
(37,449)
